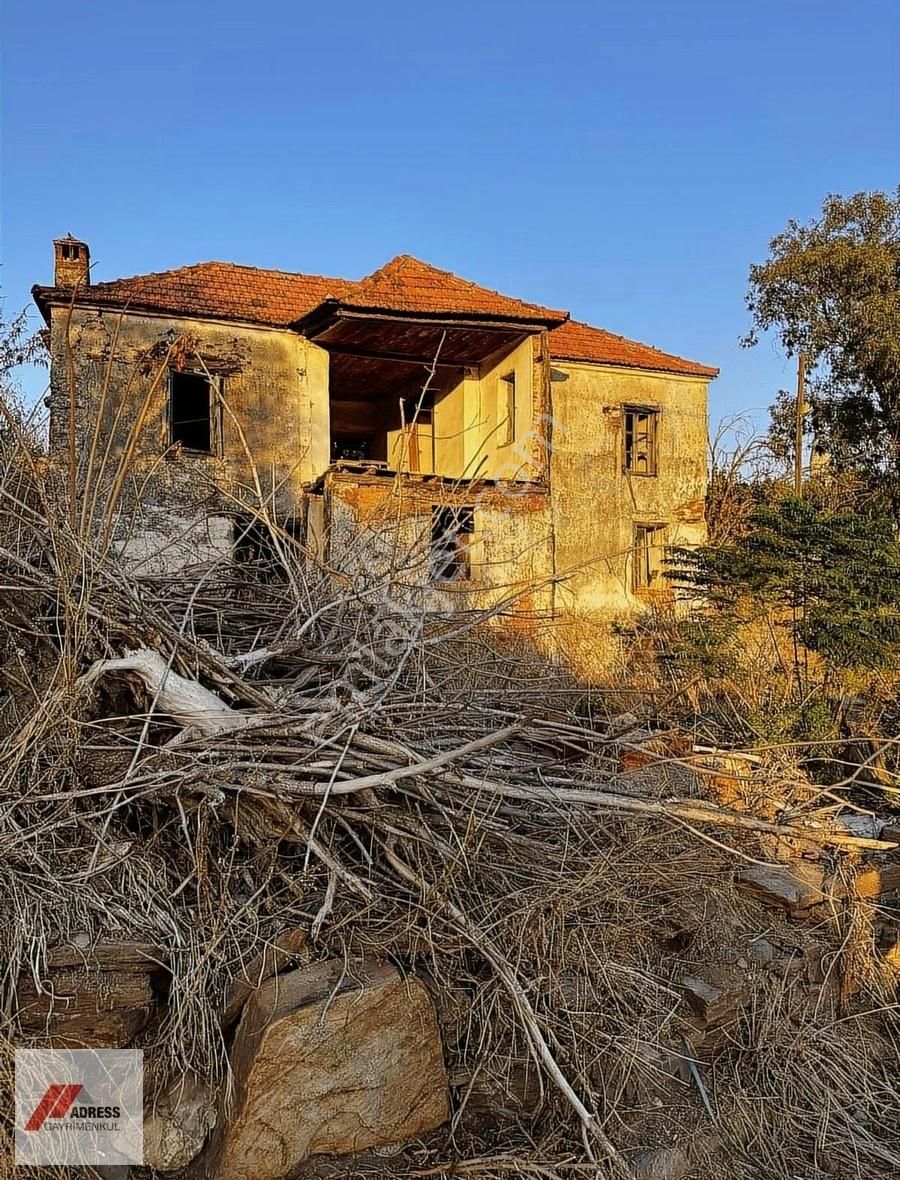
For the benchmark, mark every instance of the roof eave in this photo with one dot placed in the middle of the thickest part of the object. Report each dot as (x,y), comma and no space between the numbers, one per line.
(329,310)
(42,298)
(698,371)
(49,297)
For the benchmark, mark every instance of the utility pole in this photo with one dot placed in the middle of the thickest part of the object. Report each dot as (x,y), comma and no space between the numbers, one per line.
(798,433)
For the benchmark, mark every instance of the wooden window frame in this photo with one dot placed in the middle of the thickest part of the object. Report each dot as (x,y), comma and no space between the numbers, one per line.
(640,444)
(506,391)
(452,529)
(643,576)
(215,411)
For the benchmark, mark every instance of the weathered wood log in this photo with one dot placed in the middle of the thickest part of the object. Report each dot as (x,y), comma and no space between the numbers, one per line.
(98,997)
(185,701)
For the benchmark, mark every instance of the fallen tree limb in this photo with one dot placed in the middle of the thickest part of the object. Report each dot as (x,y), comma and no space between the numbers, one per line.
(185,701)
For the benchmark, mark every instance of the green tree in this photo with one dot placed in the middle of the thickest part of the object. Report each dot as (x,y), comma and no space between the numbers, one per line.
(831,289)
(832,578)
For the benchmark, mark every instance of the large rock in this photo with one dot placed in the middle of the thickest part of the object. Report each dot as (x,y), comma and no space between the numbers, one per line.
(330,1059)
(665,1163)
(717,995)
(870,883)
(91,997)
(178,1124)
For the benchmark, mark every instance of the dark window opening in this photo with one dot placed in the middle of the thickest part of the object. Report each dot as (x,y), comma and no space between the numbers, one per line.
(351,447)
(420,409)
(506,409)
(647,556)
(70,252)
(451,533)
(641,430)
(253,543)
(190,411)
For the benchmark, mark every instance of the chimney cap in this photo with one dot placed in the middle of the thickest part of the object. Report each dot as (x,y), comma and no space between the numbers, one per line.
(69,240)
(72,262)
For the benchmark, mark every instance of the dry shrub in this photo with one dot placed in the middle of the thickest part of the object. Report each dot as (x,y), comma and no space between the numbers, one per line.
(398,786)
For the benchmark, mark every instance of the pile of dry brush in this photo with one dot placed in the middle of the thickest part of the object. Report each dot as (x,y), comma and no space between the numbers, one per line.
(204,760)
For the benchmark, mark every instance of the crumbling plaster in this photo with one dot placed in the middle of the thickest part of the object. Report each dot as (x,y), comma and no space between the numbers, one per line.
(595,502)
(274,416)
(379,530)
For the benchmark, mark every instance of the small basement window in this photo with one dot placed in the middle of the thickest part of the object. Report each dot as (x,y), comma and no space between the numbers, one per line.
(506,409)
(647,555)
(641,431)
(253,542)
(451,534)
(254,545)
(191,411)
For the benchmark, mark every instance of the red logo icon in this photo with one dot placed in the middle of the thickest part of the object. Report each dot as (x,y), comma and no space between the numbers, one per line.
(56,1104)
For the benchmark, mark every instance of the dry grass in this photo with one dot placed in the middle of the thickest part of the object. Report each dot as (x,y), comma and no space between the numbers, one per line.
(401,789)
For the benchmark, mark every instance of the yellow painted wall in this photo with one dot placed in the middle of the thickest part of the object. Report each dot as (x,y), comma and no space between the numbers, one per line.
(467,424)
(275,389)
(399,455)
(450,422)
(512,460)
(595,503)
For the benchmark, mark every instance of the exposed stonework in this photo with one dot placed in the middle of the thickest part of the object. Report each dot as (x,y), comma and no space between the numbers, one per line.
(331,1059)
(71,263)
(371,519)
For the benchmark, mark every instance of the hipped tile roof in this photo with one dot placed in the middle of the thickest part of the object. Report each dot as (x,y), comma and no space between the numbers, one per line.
(221,290)
(224,290)
(408,285)
(575,341)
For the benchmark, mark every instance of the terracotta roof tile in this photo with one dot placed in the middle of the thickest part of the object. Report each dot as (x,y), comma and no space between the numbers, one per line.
(408,284)
(224,290)
(575,341)
(227,291)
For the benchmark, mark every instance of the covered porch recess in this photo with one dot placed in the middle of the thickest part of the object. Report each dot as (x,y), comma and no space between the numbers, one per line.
(445,395)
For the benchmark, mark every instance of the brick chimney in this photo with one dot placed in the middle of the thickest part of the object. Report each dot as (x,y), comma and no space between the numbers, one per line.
(72,263)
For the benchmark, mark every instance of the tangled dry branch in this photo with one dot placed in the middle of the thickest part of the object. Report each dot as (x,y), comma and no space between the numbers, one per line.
(203,759)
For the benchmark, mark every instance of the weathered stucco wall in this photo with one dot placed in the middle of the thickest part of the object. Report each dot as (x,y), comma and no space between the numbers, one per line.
(274,417)
(378,529)
(468,423)
(595,503)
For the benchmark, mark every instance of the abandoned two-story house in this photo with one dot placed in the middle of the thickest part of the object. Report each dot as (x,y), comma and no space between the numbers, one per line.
(512,456)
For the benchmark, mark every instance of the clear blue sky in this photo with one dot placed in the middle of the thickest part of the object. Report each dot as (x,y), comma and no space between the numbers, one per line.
(624,160)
